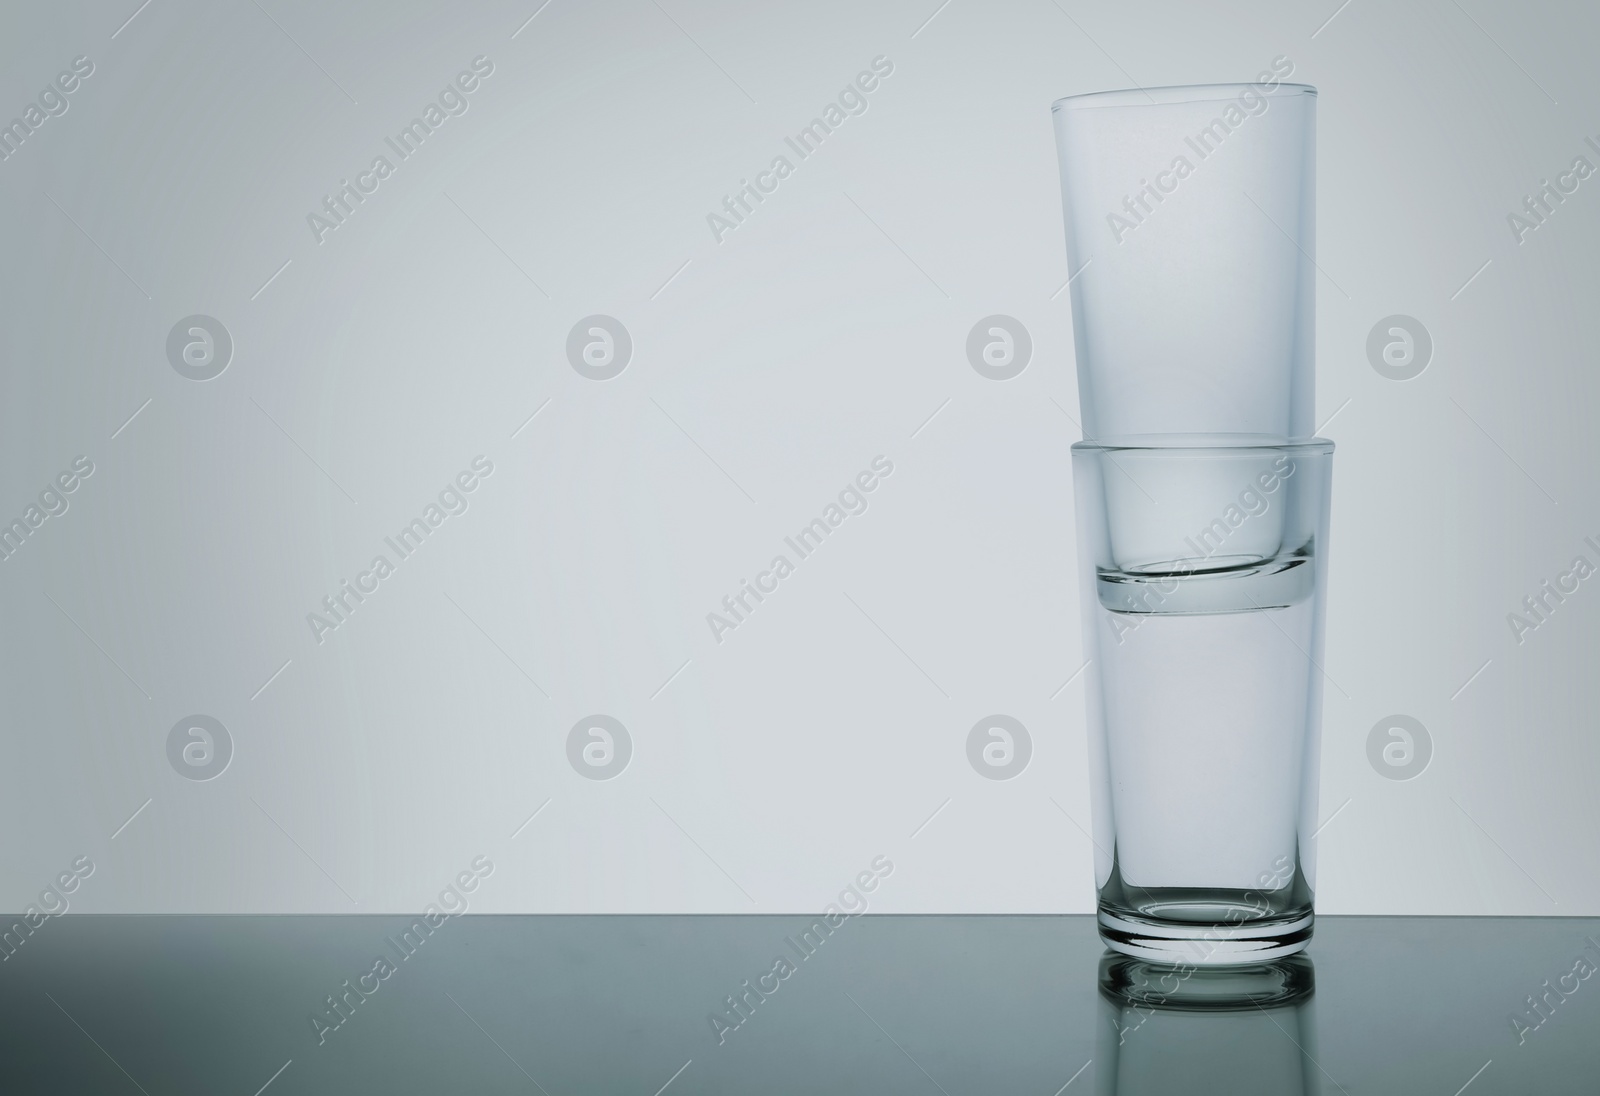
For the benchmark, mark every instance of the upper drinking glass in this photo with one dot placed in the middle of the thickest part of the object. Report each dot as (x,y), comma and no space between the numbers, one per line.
(1191,245)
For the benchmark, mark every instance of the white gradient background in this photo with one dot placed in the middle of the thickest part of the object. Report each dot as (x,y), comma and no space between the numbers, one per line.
(779,763)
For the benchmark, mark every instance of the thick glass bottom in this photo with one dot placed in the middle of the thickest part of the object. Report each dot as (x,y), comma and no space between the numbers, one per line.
(1205,926)
(1216,940)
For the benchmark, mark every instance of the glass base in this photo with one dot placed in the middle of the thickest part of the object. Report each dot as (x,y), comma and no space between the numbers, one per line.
(1205,926)
(1217,929)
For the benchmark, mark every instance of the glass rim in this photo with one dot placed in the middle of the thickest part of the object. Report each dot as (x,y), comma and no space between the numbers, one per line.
(1204,444)
(1176,94)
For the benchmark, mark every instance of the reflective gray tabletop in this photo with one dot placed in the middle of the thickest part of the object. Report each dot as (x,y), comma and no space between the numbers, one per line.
(779,1004)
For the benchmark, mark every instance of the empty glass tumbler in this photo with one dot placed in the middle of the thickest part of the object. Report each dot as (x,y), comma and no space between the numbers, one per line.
(1202,576)
(1190,223)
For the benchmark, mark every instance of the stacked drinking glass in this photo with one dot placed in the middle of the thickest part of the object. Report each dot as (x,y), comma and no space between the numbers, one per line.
(1202,510)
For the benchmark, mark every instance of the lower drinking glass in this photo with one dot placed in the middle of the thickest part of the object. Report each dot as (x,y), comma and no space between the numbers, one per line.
(1203,570)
